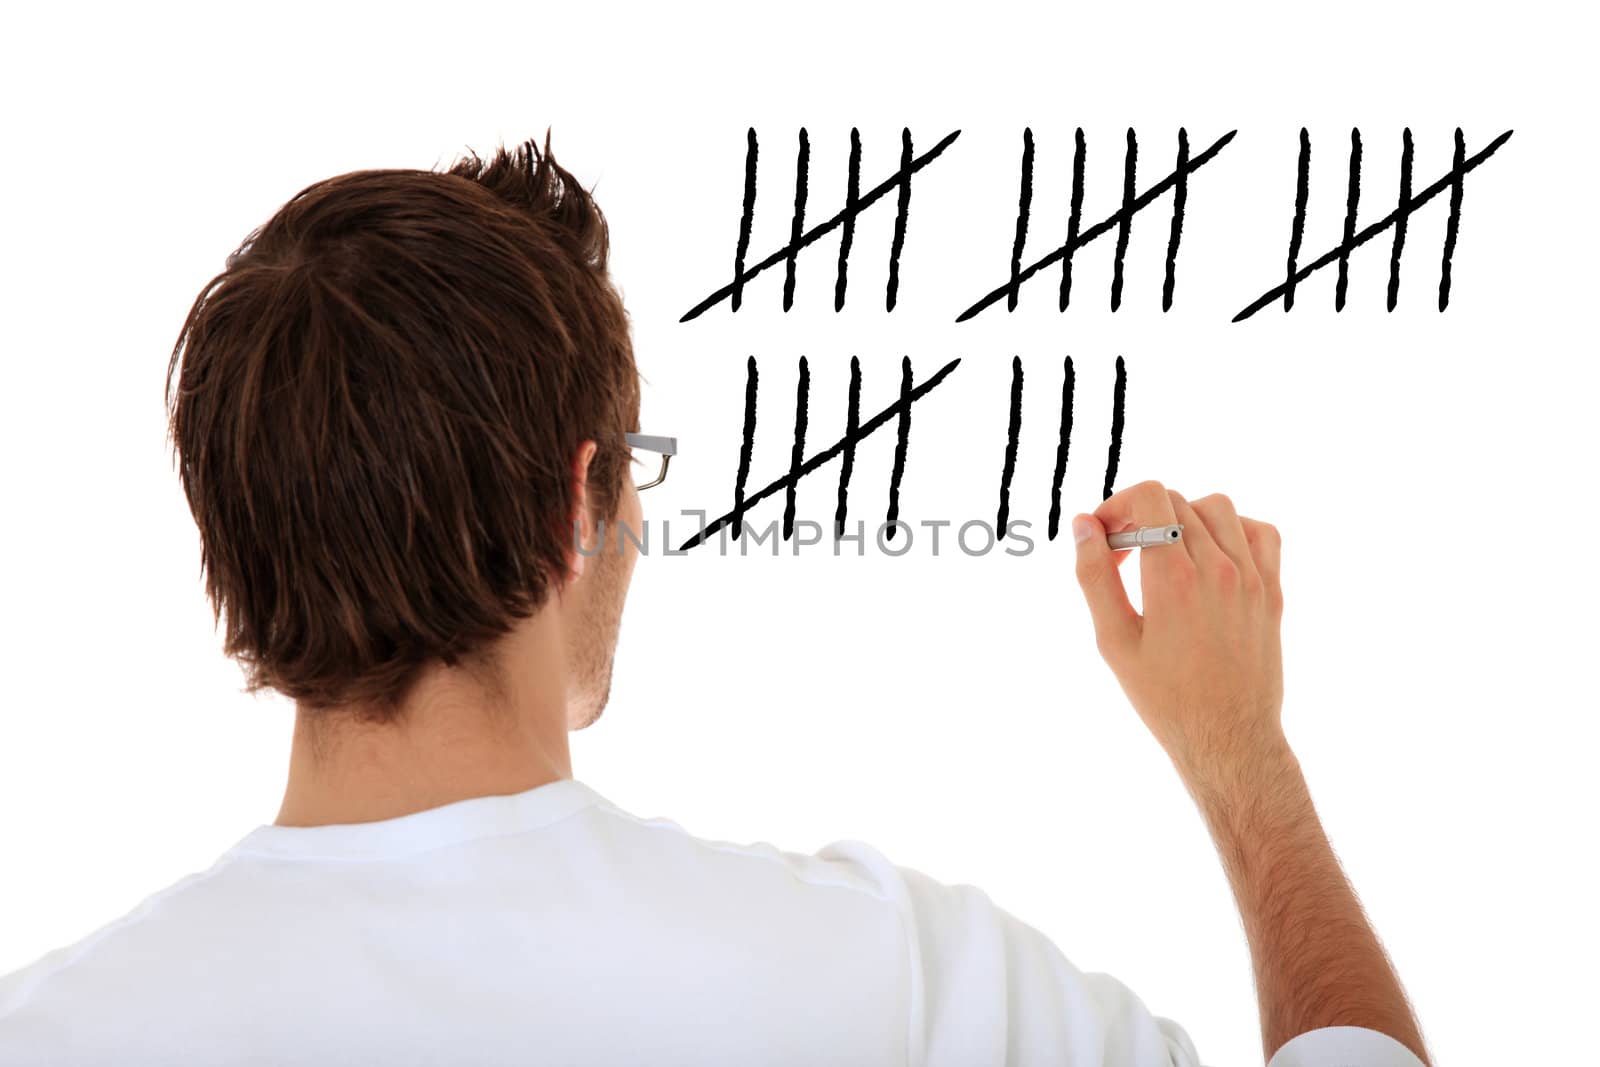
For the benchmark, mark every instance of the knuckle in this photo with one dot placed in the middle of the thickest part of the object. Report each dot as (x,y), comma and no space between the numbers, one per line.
(1261,533)
(1257,527)
(1226,572)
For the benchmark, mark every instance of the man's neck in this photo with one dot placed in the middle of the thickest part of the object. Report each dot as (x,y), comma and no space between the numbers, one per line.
(452,742)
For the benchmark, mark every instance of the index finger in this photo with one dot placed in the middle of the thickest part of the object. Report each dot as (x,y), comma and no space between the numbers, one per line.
(1147,504)
(1144,504)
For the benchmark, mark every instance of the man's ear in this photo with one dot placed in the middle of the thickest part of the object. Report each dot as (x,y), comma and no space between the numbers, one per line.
(581,527)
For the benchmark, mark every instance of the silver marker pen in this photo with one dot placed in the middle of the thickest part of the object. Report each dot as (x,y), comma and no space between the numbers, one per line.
(1147,537)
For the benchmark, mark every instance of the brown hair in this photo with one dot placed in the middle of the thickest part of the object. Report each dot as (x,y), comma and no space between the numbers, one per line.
(380,399)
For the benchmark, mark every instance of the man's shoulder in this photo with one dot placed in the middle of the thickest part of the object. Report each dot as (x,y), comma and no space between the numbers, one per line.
(851,866)
(108,964)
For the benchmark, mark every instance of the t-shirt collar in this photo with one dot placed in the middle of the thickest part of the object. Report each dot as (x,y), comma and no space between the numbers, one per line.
(448,824)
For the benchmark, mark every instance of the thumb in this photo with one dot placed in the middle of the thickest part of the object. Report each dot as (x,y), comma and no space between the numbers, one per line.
(1115,622)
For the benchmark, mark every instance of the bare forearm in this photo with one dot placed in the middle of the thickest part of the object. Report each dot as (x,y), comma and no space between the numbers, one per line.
(1203,666)
(1317,960)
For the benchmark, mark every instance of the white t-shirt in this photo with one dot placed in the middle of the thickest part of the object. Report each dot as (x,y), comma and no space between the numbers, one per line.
(550,927)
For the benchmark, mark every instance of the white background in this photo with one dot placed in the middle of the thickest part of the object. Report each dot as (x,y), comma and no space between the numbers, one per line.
(1431,473)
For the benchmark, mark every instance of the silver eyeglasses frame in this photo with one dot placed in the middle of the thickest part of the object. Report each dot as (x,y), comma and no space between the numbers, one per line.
(665,447)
